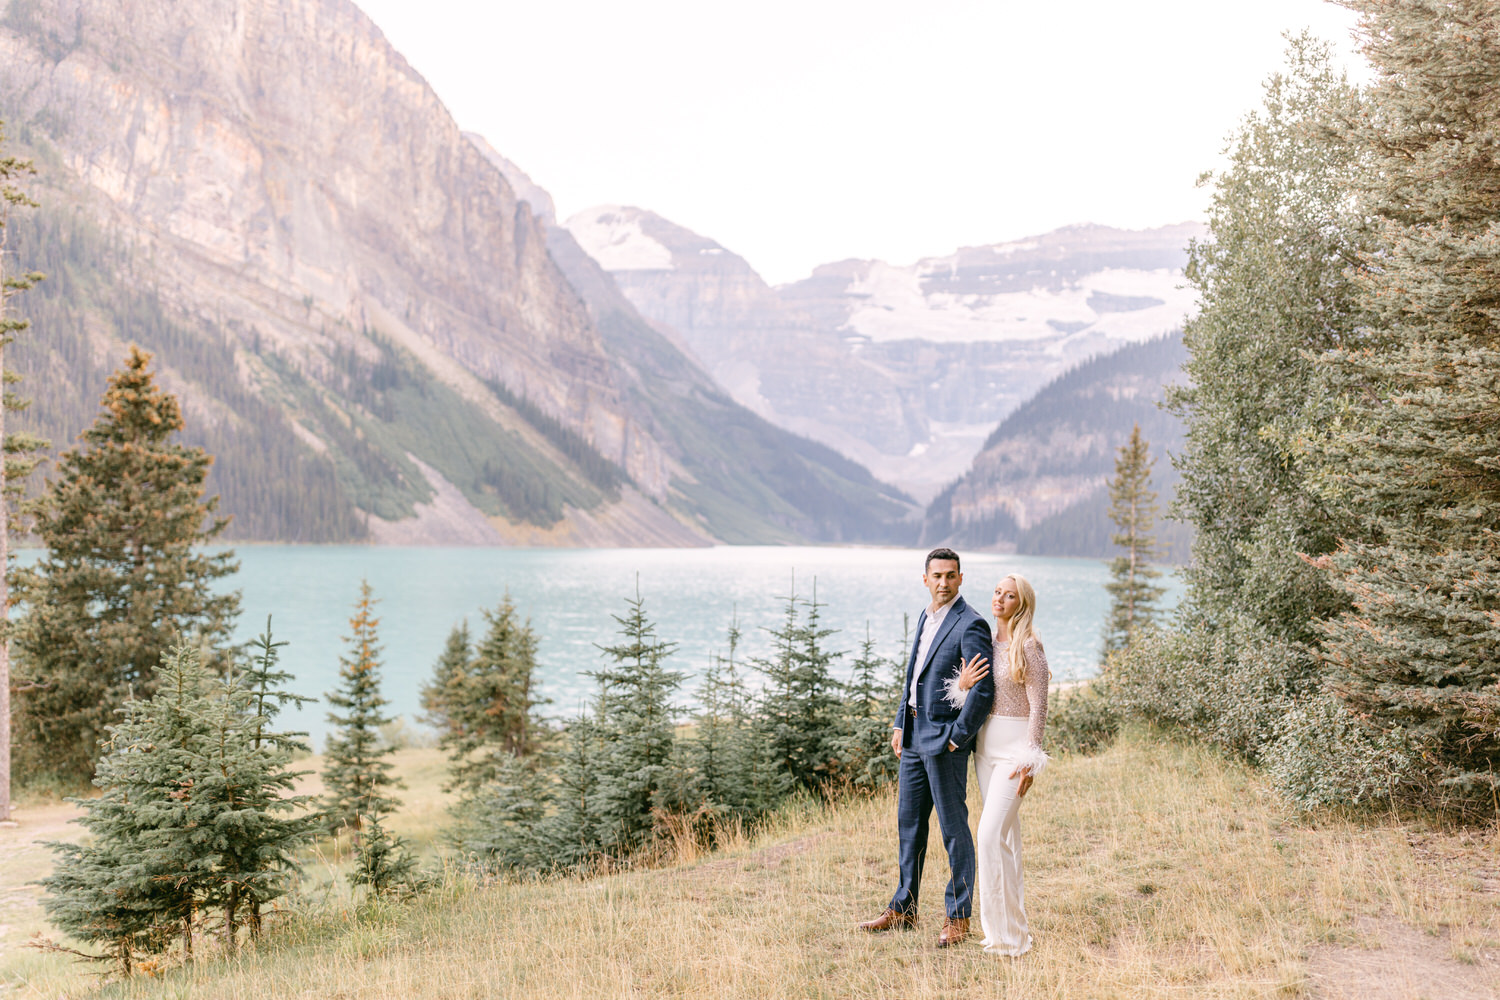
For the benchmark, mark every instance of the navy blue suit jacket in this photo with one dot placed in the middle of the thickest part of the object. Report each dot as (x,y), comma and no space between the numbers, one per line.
(935,723)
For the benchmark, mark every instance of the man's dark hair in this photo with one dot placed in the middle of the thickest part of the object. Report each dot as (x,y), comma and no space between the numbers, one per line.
(941,553)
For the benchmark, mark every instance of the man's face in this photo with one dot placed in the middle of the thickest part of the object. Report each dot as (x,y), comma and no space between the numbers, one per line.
(942,580)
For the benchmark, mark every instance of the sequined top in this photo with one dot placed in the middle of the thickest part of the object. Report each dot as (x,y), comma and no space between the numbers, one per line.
(1022,701)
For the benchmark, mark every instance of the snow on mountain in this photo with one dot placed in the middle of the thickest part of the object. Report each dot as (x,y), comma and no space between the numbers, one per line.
(612,235)
(905,369)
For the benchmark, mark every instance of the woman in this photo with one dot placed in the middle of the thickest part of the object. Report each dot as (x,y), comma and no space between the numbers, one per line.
(1009,755)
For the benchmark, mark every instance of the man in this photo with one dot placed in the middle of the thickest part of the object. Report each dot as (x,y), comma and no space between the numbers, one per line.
(933,741)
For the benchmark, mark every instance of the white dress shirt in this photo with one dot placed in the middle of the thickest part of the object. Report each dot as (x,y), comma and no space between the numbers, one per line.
(930,626)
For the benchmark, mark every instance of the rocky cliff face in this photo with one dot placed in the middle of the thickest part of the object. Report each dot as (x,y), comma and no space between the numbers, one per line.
(905,369)
(283,179)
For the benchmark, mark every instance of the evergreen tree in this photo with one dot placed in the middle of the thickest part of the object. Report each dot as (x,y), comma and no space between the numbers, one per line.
(443,696)
(1132,508)
(501,823)
(800,700)
(488,700)
(726,762)
(134,885)
(252,822)
(19,450)
(634,723)
(196,810)
(1411,452)
(865,761)
(124,574)
(1274,294)
(574,830)
(383,862)
(357,778)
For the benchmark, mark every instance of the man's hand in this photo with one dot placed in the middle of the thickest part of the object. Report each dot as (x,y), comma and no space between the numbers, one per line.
(896,741)
(952,747)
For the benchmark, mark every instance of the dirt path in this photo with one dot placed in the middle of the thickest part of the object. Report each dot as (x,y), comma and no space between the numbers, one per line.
(23,860)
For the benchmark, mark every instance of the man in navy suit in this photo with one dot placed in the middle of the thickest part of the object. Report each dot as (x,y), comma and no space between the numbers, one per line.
(934,740)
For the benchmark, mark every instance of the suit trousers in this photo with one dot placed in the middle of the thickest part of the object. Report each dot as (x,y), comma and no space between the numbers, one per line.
(938,781)
(1003,744)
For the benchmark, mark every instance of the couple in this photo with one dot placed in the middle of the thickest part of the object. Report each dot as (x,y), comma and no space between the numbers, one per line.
(952,705)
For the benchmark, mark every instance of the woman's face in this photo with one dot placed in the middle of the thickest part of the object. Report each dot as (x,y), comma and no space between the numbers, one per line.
(1006,601)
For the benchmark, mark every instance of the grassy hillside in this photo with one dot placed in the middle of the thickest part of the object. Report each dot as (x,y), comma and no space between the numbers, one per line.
(1154,869)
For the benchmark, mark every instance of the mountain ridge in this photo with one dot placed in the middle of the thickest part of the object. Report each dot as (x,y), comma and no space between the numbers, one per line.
(904,369)
(290,196)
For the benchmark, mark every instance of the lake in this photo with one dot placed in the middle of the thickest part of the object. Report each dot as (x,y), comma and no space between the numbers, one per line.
(570,594)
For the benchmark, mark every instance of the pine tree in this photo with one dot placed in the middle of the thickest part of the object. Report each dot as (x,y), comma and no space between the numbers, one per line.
(443,696)
(634,722)
(1411,456)
(1274,294)
(383,862)
(488,700)
(1132,508)
(574,830)
(197,810)
(864,750)
(19,450)
(356,777)
(252,821)
(726,761)
(135,884)
(800,700)
(123,576)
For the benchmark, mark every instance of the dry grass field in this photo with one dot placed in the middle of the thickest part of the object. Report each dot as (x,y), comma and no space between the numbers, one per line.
(1155,869)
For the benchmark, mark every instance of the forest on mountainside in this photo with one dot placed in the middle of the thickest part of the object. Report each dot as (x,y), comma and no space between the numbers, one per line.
(1066,436)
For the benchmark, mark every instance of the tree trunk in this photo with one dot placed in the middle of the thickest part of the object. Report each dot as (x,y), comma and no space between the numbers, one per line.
(231,907)
(4,592)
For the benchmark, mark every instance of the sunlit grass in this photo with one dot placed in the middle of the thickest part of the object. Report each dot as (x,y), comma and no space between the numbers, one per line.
(1154,869)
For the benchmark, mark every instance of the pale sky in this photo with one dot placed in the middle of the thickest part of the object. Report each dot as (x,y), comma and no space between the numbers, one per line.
(798,132)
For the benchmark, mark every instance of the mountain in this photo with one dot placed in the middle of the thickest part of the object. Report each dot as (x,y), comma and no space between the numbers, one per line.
(904,369)
(359,309)
(1038,484)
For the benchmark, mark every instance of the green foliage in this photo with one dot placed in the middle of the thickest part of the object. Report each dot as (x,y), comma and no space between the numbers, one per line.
(1274,290)
(356,778)
(384,863)
(273,485)
(1409,455)
(600,471)
(799,701)
(1132,593)
(196,811)
(863,760)
(123,576)
(634,724)
(1071,427)
(751,482)
(1083,719)
(485,700)
(724,769)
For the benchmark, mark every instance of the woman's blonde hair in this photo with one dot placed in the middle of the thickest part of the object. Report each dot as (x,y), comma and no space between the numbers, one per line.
(1021,631)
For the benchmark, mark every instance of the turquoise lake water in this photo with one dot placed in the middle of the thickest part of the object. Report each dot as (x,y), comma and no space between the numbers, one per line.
(569,595)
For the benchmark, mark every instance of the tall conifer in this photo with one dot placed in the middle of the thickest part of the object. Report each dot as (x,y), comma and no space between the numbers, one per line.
(798,706)
(1132,590)
(635,724)
(1412,454)
(19,449)
(123,576)
(357,778)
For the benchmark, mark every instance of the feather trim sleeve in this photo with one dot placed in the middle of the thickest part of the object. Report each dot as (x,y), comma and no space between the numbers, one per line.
(1035,758)
(953,694)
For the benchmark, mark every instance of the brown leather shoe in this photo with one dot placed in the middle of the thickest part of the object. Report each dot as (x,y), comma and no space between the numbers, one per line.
(890,920)
(955,929)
